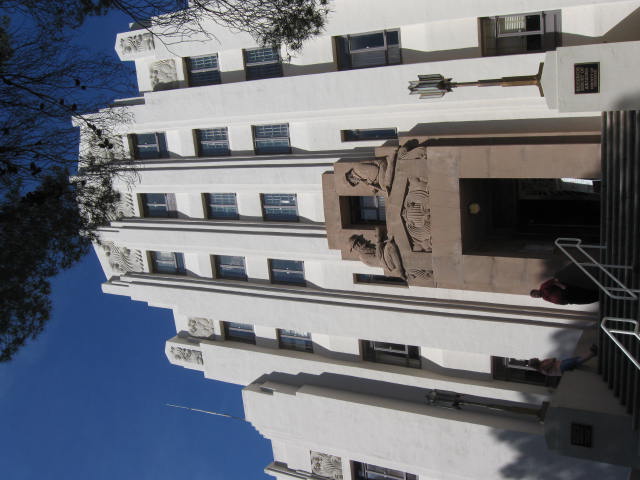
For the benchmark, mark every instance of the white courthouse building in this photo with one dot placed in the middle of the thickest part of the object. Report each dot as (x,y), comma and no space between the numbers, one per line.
(360,258)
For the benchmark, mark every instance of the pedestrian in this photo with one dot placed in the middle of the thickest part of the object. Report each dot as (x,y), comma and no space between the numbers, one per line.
(552,367)
(563,293)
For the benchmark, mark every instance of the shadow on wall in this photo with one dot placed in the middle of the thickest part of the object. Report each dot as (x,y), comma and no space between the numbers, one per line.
(627,30)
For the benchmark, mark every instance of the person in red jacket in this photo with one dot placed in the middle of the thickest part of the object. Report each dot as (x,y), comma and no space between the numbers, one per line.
(555,291)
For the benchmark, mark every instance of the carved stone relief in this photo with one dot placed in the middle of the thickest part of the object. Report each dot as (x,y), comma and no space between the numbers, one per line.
(201,327)
(383,254)
(135,43)
(124,208)
(163,74)
(182,354)
(324,465)
(377,174)
(416,215)
(122,259)
(419,274)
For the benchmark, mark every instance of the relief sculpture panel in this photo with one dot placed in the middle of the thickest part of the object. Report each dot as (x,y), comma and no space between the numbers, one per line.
(416,215)
(327,466)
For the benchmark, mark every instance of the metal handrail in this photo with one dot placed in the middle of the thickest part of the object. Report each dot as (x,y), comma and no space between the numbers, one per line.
(630,294)
(634,333)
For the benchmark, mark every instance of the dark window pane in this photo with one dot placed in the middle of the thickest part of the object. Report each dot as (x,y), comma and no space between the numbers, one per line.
(222,205)
(287,271)
(231,267)
(367,40)
(370,134)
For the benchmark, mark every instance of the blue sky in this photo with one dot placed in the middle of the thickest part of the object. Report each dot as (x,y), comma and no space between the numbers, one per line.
(86,400)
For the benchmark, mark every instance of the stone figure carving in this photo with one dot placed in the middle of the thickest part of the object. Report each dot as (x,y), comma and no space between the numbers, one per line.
(411,151)
(163,74)
(419,274)
(324,465)
(201,327)
(383,254)
(121,259)
(139,42)
(377,174)
(416,215)
(182,354)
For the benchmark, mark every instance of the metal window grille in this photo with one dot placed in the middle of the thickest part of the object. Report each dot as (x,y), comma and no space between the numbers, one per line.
(369,134)
(287,271)
(517,25)
(271,139)
(581,435)
(232,267)
(294,340)
(378,279)
(213,141)
(392,353)
(203,70)
(222,206)
(159,205)
(282,207)
(373,209)
(262,63)
(168,262)
(239,332)
(149,145)
(369,49)
(365,471)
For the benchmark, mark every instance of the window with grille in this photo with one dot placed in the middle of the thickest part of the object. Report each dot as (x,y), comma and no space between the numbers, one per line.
(372,49)
(379,280)
(262,63)
(519,371)
(368,210)
(149,145)
(271,139)
(231,267)
(168,262)
(203,70)
(239,332)
(222,206)
(294,340)
(280,207)
(213,142)
(287,272)
(520,33)
(369,134)
(366,471)
(391,353)
(158,205)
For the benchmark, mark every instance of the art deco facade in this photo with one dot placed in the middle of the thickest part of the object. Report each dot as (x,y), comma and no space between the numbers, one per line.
(360,259)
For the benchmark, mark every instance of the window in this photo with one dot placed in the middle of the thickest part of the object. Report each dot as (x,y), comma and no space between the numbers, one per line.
(228,266)
(368,210)
(239,332)
(287,272)
(212,142)
(368,49)
(365,471)
(262,63)
(203,70)
(520,33)
(379,279)
(391,353)
(222,206)
(280,207)
(519,371)
(294,340)
(168,262)
(149,145)
(159,205)
(369,134)
(271,139)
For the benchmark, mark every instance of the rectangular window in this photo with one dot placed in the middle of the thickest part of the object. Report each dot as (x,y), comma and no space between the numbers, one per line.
(520,33)
(231,267)
(262,63)
(149,145)
(271,139)
(213,142)
(280,207)
(168,262)
(159,205)
(203,70)
(294,340)
(369,134)
(391,353)
(365,471)
(287,272)
(222,206)
(368,210)
(368,49)
(519,371)
(239,332)
(379,280)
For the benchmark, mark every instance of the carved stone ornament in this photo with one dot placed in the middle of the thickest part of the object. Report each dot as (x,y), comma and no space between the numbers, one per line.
(124,208)
(324,465)
(383,254)
(122,259)
(138,42)
(377,174)
(419,274)
(201,327)
(187,355)
(163,74)
(416,215)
